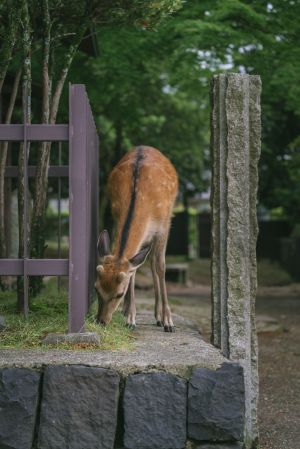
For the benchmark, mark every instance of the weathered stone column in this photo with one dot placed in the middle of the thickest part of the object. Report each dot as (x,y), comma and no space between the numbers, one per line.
(235,127)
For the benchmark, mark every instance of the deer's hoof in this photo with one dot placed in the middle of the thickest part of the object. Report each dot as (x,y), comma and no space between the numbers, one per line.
(131,327)
(159,323)
(169,328)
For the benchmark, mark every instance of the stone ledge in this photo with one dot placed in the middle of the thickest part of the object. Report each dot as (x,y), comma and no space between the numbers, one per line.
(177,353)
(80,405)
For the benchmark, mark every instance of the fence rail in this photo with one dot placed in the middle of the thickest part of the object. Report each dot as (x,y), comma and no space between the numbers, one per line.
(83,173)
(44,133)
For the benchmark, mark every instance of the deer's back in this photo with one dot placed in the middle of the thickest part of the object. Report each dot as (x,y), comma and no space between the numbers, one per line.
(142,189)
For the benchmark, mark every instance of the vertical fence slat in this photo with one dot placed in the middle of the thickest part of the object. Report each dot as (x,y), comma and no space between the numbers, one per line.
(59,216)
(78,188)
(93,201)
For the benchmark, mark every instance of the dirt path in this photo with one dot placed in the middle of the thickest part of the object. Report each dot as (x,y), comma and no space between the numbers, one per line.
(279,356)
(279,369)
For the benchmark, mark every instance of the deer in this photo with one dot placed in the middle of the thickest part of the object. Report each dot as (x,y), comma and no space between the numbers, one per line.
(142,189)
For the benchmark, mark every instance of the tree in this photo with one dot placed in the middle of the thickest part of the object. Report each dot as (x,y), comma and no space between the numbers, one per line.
(258,37)
(6,53)
(50,32)
(154,88)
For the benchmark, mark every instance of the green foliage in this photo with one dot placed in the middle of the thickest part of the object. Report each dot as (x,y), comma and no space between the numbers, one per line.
(151,82)
(153,88)
(136,101)
(49,313)
(277,60)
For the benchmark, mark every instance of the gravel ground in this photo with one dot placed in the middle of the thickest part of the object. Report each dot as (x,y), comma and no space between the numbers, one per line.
(279,355)
(279,369)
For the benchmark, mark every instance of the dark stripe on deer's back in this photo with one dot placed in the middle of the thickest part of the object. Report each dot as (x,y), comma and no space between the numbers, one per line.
(128,221)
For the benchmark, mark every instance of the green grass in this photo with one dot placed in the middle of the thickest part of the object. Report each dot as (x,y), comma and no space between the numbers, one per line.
(51,251)
(49,313)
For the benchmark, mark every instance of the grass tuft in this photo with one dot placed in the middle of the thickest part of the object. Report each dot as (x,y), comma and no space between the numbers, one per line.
(49,313)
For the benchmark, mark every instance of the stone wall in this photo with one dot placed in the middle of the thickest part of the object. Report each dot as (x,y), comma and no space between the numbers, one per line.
(83,407)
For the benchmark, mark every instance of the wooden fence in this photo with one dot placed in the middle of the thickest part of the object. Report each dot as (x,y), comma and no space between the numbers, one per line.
(83,173)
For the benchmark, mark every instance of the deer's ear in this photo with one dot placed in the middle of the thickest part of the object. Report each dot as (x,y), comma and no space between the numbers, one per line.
(140,257)
(103,244)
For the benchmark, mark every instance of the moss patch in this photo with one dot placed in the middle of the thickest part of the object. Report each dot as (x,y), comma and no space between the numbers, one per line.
(49,313)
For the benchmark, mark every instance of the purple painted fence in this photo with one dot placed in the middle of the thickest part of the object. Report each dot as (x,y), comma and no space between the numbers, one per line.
(83,172)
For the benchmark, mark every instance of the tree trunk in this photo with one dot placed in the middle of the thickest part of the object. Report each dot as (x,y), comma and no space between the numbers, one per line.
(5,59)
(3,157)
(37,242)
(24,151)
(37,246)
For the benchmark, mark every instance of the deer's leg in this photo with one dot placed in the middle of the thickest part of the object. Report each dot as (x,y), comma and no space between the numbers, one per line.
(126,301)
(161,271)
(158,308)
(131,310)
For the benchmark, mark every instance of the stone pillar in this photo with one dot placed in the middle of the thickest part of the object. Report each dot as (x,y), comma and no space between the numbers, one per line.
(235,142)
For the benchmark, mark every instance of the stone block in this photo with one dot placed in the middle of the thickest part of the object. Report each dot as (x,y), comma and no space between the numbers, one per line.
(216,404)
(155,411)
(89,338)
(79,408)
(19,396)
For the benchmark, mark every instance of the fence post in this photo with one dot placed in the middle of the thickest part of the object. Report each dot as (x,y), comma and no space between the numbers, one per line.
(93,142)
(235,127)
(78,200)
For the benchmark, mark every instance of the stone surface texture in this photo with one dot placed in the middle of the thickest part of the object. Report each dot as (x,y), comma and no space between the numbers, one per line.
(216,404)
(235,145)
(176,352)
(81,337)
(79,408)
(19,396)
(155,411)
(236,445)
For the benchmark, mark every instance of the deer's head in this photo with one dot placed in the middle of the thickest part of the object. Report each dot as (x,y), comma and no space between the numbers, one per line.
(113,276)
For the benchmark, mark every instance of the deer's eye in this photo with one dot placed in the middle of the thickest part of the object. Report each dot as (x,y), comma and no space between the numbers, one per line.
(119,295)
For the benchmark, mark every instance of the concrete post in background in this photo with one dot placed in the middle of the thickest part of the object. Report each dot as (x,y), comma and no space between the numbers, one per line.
(235,141)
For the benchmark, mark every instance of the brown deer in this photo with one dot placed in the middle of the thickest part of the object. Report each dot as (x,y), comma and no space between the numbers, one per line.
(142,189)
